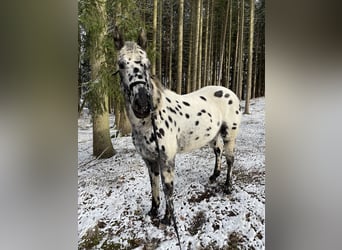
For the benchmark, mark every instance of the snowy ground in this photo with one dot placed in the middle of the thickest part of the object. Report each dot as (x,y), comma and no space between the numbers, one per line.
(114,195)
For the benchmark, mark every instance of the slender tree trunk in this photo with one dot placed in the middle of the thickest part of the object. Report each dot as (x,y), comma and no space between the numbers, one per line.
(154,39)
(236,64)
(199,77)
(250,57)
(210,49)
(223,42)
(180,48)
(191,44)
(205,67)
(229,42)
(160,44)
(196,46)
(241,57)
(170,46)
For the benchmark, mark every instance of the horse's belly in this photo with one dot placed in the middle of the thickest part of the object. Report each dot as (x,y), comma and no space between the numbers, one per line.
(188,143)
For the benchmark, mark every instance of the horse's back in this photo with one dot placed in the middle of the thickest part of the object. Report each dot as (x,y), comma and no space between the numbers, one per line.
(219,99)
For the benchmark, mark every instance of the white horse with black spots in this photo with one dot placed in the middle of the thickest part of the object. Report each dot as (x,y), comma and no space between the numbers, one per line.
(165,123)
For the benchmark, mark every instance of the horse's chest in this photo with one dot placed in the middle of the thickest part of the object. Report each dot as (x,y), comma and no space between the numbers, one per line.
(144,142)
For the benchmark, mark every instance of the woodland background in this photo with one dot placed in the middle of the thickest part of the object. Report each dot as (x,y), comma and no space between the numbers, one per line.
(191,44)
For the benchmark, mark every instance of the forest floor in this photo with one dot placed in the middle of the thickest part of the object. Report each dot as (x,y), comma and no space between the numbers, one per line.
(114,195)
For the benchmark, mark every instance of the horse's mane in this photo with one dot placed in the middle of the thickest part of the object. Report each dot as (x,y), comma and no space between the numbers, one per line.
(157,83)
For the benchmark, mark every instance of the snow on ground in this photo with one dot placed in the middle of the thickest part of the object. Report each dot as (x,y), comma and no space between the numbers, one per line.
(114,195)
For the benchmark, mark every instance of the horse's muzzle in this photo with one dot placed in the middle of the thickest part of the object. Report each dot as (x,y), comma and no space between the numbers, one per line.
(141,105)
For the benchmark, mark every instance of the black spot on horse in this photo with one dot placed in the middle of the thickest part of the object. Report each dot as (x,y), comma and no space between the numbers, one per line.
(226,95)
(172,110)
(203,98)
(237,112)
(196,123)
(164,111)
(180,113)
(209,114)
(186,103)
(196,138)
(152,138)
(234,124)
(179,106)
(170,119)
(207,135)
(130,78)
(168,99)
(163,148)
(218,93)
(191,132)
(199,113)
(187,116)
(230,102)
(203,111)
(135,70)
(161,131)
(208,128)
(234,128)
(166,124)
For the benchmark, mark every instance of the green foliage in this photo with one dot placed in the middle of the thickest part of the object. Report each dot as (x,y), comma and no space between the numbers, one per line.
(93,22)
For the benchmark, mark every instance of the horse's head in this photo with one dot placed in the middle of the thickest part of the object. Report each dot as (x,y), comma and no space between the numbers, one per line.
(135,74)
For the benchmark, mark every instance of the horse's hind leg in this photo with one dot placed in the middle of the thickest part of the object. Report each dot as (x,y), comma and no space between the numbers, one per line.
(217,145)
(229,145)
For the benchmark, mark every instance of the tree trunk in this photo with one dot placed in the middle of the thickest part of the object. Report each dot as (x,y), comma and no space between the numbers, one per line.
(236,64)
(180,47)
(191,44)
(170,47)
(206,44)
(199,77)
(229,42)
(195,59)
(223,42)
(210,48)
(241,57)
(124,124)
(160,35)
(154,39)
(250,57)
(102,144)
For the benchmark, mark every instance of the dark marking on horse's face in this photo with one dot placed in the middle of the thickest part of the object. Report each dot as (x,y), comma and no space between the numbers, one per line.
(218,93)
(134,73)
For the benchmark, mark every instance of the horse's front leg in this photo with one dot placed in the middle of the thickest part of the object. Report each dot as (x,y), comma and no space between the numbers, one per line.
(167,176)
(153,170)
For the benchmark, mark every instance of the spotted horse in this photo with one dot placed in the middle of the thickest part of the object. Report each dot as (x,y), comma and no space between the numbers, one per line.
(165,123)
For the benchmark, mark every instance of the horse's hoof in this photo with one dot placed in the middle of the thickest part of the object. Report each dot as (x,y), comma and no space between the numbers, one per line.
(165,221)
(227,190)
(212,178)
(153,213)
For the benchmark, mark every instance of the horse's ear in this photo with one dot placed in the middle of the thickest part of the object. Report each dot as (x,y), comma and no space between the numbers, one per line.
(142,40)
(118,38)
